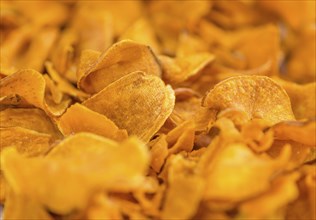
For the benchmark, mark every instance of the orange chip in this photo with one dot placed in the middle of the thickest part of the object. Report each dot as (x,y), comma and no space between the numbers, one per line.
(28,142)
(138,102)
(257,96)
(181,69)
(79,118)
(119,60)
(301,132)
(185,190)
(101,165)
(29,118)
(302,98)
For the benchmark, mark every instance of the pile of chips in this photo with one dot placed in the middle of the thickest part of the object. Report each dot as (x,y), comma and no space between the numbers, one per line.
(158,110)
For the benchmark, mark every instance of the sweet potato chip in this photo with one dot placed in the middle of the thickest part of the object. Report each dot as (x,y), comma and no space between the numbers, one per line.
(29,118)
(131,99)
(181,69)
(79,118)
(98,166)
(269,205)
(185,190)
(229,178)
(119,60)
(28,142)
(302,98)
(301,132)
(27,88)
(252,94)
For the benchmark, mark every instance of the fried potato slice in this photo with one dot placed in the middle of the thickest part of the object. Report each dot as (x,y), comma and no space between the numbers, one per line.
(24,208)
(185,68)
(229,178)
(27,88)
(257,96)
(119,60)
(79,118)
(185,190)
(29,118)
(268,205)
(301,132)
(302,98)
(25,141)
(138,102)
(99,163)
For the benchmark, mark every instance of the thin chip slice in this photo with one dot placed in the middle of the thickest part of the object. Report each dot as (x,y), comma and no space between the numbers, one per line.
(257,96)
(181,69)
(138,102)
(185,190)
(25,141)
(79,118)
(29,118)
(119,60)
(97,162)
(230,179)
(26,88)
(301,132)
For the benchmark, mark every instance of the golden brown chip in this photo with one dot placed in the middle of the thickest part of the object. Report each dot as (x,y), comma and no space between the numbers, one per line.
(119,60)
(79,118)
(159,152)
(301,132)
(28,142)
(27,88)
(99,163)
(185,190)
(185,68)
(269,205)
(257,96)
(230,179)
(302,98)
(138,102)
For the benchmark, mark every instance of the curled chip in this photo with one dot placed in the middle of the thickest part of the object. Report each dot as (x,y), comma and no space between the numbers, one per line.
(79,118)
(27,88)
(301,132)
(26,141)
(121,59)
(99,164)
(230,179)
(138,102)
(29,118)
(181,69)
(257,96)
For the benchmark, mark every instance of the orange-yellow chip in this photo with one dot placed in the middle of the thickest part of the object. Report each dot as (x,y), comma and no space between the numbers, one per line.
(119,60)
(79,118)
(138,102)
(257,96)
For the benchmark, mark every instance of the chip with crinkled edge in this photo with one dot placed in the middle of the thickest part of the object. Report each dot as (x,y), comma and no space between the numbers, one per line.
(138,102)
(29,118)
(99,166)
(299,131)
(26,88)
(255,95)
(79,118)
(119,60)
